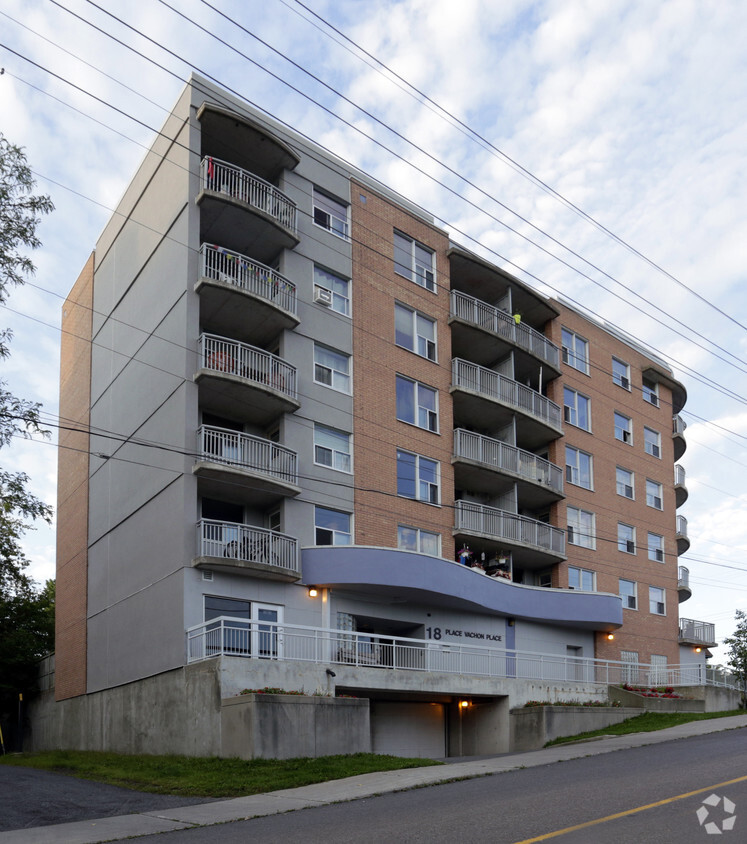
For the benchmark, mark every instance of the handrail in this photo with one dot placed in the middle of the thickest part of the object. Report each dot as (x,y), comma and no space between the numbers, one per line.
(699,631)
(681,526)
(234,448)
(510,527)
(679,474)
(246,543)
(493,319)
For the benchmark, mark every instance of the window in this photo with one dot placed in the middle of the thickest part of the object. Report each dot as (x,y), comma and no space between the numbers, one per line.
(330,213)
(658,675)
(332,527)
(575,350)
(625,538)
(578,467)
(654,495)
(414,261)
(414,331)
(581,528)
(582,579)
(577,409)
(628,591)
(336,290)
(253,631)
(331,448)
(656,547)
(623,428)
(621,373)
(417,477)
(629,672)
(331,368)
(652,442)
(417,404)
(624,482)
(415,539)
(656,601)
(651,392)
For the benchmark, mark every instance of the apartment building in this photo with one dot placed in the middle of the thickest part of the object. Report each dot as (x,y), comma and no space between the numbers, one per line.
(323,447)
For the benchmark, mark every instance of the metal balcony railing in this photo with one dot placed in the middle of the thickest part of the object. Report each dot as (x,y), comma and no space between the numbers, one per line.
(218,354)
(493,319)
(495,454)
(493,385)
(222,177)
(247,544)
(681,526)
(679,474)
(245,451)
(237,637)
(508,527)
(697,631)
(247,274)
(683,577)
(678,425)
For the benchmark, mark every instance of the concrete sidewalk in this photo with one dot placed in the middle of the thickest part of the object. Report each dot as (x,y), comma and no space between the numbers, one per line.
(335,791)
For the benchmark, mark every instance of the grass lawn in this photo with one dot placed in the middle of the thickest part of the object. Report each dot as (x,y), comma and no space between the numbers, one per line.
(647,723)
(212,777)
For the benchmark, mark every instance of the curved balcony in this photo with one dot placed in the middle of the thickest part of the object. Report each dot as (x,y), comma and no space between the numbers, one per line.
(237,548)
(680,490)
(683,541)
(243,211)
(482,464)
(226,457)
(236,378)
(484,333)
(533,544)
(683,584)
(490,399)
(678,436)
(242,298)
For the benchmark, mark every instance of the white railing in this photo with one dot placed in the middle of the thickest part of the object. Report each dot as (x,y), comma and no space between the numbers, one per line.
(222,177)
(227,636)
(508,527)
(245,543)
(505,390)
(683,577)
(246,274)
(697,631)
(221,445)
(495,454)
(218,354)
(679,474)
(681,526)
(678,425)
(499,322)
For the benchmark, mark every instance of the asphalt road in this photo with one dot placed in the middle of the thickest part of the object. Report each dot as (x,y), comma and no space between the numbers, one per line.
(534,803)
(38,798)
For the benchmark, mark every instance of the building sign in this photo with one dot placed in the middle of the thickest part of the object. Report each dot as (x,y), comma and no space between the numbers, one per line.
(438,633)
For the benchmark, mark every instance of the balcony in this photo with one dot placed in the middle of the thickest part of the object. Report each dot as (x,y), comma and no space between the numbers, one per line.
(242,298)
(237,378)
(237,548)
(678,436)
(484,333)
(700,633)
(533,544)
(680,490)
(683,584)
(490,400)
(226,458)
(482,464)
(243,211)
(683,541)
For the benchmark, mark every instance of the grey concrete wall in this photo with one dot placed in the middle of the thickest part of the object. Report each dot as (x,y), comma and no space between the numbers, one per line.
(532,727)
(479,729)
(715,699)
(260,726)
(687,703)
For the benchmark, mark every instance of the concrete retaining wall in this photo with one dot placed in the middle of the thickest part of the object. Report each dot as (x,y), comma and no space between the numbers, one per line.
(657,704)
(532,727)
(715,699)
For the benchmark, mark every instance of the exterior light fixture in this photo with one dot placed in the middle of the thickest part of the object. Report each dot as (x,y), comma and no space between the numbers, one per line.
(610,636)
(698,650)
(313,591)
(464,703)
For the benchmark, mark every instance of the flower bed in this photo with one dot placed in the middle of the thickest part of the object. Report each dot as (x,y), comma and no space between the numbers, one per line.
(572,703)
(653,691)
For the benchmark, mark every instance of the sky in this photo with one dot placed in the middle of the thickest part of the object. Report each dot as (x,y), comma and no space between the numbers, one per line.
(596,149)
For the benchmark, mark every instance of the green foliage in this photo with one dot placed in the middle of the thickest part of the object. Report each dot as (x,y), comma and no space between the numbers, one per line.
(737,645)
(210,777)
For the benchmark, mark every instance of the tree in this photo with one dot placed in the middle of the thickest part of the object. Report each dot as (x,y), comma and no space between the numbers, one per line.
(20,213)
(737,644)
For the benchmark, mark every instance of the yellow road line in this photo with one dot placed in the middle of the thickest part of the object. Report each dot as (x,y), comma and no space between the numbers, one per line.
(635,811)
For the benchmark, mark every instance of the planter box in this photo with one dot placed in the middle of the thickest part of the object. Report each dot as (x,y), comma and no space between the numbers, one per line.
(266,726)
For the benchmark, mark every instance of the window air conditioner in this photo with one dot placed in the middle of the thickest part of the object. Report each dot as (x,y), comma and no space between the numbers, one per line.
(630,546)
(660,607)
(659,554)
(655,450)
(631,602)
(657,502)
(322,296)
(625,383)
(626,436)
(628,491)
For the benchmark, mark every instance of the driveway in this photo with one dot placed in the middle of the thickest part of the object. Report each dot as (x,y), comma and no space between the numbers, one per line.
(38,798)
